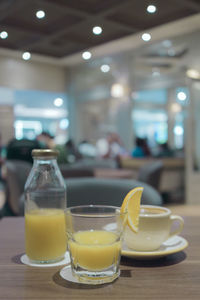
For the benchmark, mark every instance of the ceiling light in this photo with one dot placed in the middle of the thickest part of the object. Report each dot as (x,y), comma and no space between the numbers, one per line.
(178,130)
(40,14)
(105,68)
(181,96)
(151,9)
(86,55)
(97,30)
(146,37)
(26,55)
(192,73)
(3,35)
(58,102)
(175,108)
(117,90)
(64,124)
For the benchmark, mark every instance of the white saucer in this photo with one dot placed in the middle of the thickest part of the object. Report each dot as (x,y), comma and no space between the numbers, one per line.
(66,260)
(172,245)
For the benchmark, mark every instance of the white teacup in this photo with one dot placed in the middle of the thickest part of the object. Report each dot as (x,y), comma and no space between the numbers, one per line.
(155,227)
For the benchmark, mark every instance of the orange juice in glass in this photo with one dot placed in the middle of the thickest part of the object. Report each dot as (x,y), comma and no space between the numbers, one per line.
(94,242)
(45,235)
(95,249)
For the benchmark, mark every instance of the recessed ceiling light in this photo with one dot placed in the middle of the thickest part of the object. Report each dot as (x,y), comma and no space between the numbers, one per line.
(105,68)
(58,102)
(192,73)
(97,30)
(181,96)
(175,107)
(178,130)
(117,90)
(86,55)
(26,55)
(3,35)
(40,14)
(64,124)
(151,9)
(146,37)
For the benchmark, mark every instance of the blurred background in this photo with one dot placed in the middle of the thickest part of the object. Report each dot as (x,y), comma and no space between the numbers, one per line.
(111,84)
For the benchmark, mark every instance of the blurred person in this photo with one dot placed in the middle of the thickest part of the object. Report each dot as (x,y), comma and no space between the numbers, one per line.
(72,151)
(138,150)
(102,147)
(2,151)
(146,148)
(47,141)
(165,151)
(87,149)
(115,146)
(21,149)
(141,148)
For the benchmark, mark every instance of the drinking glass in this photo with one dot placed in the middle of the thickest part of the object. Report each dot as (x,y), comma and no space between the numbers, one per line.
(94,235)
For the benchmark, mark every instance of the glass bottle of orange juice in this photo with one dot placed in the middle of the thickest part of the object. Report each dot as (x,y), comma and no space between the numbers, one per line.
(45,202)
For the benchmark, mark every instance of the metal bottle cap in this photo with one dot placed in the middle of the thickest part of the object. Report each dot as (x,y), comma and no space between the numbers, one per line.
(44,153)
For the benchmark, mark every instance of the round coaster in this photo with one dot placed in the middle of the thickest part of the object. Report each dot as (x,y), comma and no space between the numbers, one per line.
(25,260)
(66,273)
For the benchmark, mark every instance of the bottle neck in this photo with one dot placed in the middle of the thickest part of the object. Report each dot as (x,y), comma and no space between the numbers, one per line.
(45,164)
(44,160)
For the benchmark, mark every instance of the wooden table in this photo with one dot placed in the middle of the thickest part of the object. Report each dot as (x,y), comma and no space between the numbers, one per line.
(174,277)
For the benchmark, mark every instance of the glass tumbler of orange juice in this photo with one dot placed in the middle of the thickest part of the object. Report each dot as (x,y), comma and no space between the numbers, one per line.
(45,203)
(94,242)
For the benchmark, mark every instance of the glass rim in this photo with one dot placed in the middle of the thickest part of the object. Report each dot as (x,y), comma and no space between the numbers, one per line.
(166,211)
(102,214)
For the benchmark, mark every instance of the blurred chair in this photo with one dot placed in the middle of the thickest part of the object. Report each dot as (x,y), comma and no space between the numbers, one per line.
(93,163)
(16,173)
(151,173)
(84,191)
(69,172)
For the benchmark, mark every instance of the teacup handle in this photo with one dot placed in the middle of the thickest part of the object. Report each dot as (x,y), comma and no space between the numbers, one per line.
(178,219)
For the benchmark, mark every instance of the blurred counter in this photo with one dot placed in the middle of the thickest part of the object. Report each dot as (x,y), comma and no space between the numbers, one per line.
(172,178)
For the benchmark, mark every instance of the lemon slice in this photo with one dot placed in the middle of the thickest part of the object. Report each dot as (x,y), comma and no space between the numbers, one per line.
(131,204)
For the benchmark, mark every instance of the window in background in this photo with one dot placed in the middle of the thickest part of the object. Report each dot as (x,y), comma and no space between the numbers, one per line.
(27,129)
(149,116)
(150,124)
(182,98)
(150,96)
(37,111)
